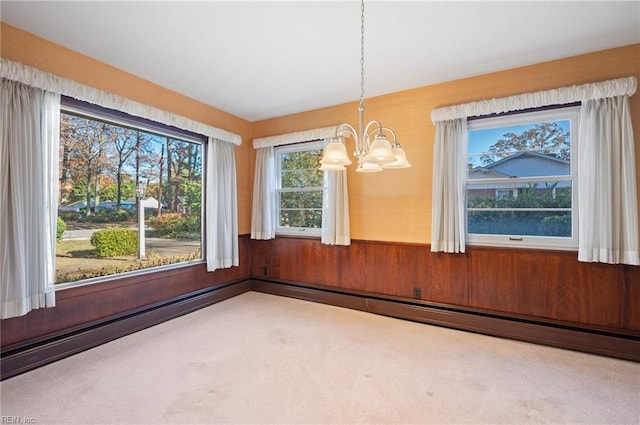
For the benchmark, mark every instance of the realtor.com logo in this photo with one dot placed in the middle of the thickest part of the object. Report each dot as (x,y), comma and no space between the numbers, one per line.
(5,419)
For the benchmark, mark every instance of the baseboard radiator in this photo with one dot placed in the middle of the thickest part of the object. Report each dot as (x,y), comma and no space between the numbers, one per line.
(623,345)
(23,357)
(27,356)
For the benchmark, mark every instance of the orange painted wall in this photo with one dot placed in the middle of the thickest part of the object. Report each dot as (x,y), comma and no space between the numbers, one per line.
(391,206)
(26,48)
(395,205)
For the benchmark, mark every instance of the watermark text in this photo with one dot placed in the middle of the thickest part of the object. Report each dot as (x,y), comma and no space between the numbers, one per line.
(8,419)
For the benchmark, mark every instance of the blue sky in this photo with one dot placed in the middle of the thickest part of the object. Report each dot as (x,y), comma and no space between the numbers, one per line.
(481,140)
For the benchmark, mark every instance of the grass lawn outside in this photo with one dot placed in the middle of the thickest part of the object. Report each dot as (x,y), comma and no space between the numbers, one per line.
(76,259)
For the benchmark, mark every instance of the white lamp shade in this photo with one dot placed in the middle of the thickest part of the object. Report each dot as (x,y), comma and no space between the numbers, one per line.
(380,151)
(401,159)
(368,167)
(335,154)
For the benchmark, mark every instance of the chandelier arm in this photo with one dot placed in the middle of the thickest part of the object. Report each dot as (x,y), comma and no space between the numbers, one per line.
(345,129)
(393,133)
(368,132)
(381,130)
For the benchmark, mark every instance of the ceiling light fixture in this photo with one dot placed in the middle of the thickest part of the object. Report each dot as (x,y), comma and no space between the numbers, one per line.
(373,155)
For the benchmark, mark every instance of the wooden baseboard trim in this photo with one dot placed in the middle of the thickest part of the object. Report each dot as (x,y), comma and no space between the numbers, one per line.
(33,354)
(30,355)
(593,341)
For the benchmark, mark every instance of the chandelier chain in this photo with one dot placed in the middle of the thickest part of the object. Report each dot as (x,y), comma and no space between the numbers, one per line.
(373,155)
(362,52)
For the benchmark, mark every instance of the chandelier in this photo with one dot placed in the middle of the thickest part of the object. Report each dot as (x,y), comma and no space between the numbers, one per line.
(373,155)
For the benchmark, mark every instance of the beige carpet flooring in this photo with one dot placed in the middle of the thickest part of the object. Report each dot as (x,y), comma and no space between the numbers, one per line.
(260,359)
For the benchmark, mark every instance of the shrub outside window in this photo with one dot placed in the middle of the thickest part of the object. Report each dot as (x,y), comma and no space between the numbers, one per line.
(300,188)
(521,180)
(105,167)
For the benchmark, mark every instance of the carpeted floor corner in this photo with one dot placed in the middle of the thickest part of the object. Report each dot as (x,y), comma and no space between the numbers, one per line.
(264,359)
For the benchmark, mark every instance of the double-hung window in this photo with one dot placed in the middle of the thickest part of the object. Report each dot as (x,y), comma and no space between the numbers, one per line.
(300,188)
(521,179)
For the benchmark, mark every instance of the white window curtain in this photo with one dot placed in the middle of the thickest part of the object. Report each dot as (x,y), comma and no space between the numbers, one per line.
(265,211)
(34,77)
(221,228)
(29,141)
(606,167)
(449,181)
(335,209)
(335,204)
(221,206)
(560,96)
(607,183)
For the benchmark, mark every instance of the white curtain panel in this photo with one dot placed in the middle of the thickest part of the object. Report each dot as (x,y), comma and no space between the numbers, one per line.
(608,207)
(264,211)
(295,137)
(29,142)
(449,186)
(559,96)
(36,78)
(335,209)
(595,190)
(221,206)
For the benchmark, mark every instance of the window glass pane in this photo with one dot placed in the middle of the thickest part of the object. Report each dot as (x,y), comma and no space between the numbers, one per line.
(302,199)
(301,169)
(300,188)
(304,218)
(542,149)
(526,223)
(101,166)
(520,195)
(520,179)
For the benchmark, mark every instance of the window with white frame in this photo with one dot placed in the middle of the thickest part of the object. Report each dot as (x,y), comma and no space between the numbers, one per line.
(300,188)
(521,179)
(118,173)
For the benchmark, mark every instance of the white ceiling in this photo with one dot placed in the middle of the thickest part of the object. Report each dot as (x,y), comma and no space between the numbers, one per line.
(264,59)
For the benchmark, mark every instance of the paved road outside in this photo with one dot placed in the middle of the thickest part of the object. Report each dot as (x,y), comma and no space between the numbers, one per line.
(163,246)
(77,234)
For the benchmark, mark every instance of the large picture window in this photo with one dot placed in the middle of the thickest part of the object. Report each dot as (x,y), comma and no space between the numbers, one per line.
(300,188)
(521,180)
(116,173)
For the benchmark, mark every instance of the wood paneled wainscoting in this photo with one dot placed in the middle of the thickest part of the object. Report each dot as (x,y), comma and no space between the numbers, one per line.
(546,297)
